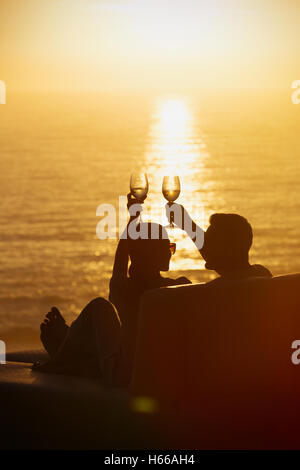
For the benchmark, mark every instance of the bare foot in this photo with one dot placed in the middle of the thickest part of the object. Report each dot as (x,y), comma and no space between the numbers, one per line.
(53,331)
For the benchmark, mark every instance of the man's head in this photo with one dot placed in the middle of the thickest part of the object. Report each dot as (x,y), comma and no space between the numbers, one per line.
(227,242)
(151,252)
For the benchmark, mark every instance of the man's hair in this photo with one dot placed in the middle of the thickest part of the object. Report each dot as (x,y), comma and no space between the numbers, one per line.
(234,230)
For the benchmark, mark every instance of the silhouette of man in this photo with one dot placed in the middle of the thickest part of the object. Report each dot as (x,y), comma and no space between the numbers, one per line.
(225,244)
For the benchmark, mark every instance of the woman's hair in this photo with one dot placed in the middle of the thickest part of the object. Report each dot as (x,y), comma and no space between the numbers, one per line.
(147,251)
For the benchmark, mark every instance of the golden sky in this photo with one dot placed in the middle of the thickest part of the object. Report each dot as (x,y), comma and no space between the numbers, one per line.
(159,45)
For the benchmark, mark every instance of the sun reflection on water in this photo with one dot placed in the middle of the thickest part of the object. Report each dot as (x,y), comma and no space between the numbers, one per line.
(176,148)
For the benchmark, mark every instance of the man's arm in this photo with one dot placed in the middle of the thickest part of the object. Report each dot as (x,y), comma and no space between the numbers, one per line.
(183,220)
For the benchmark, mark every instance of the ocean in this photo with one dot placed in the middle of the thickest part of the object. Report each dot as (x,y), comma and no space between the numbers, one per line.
(61,156)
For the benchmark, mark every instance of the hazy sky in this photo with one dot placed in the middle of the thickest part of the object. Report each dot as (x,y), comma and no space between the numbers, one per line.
(149,44)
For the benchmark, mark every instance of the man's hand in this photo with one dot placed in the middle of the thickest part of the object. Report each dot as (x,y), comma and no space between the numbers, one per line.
(183,220)
(181,216)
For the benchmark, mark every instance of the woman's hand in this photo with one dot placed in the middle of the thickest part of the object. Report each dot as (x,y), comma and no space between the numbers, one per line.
(134,206)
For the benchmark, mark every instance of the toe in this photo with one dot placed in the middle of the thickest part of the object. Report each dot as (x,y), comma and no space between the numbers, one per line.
(57,314)
(51,315)
(45,325)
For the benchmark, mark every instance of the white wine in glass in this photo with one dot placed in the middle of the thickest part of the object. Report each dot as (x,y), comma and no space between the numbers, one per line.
(139,186)
(171,191)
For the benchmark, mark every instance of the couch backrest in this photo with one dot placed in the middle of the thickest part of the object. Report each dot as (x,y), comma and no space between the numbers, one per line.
(220,353)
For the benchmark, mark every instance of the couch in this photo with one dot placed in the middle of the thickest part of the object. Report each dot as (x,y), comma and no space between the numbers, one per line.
(213,370)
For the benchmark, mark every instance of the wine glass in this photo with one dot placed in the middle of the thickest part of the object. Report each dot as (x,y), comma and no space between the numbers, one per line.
(171,191)
(139,186)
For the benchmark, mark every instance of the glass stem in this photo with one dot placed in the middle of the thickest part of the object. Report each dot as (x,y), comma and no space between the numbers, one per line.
(171,217)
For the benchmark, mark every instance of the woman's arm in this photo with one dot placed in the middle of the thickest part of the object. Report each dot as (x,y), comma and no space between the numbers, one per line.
(121,259)
(120,268)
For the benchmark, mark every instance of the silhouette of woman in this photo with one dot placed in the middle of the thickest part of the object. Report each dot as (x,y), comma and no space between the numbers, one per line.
(101,341)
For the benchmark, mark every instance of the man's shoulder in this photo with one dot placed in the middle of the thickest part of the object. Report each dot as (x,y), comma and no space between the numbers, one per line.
(258,270)
(254,270)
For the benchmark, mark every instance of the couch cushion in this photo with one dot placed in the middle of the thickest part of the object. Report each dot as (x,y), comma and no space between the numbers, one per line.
(220,354)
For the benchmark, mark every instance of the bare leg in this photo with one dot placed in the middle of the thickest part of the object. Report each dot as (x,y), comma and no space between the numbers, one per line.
(93,344)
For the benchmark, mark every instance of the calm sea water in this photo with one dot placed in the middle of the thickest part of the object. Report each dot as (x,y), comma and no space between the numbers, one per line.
(60,157)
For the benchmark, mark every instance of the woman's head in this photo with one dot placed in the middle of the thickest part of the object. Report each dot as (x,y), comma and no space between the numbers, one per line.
(150,253)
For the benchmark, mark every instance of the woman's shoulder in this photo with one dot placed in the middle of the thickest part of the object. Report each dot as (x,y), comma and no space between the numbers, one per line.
(121,285)
(124,294)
